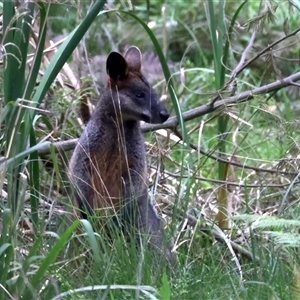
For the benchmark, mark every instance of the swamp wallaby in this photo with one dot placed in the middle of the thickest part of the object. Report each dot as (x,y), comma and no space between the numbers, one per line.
(108,167)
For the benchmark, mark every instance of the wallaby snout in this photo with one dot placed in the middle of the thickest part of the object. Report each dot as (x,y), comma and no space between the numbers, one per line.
(158,114)
(164,115)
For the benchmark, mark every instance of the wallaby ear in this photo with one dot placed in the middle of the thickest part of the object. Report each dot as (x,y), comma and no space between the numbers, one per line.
(133,57)
(116,66)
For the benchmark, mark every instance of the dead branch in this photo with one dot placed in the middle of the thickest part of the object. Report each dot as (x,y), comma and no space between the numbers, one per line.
(172,122)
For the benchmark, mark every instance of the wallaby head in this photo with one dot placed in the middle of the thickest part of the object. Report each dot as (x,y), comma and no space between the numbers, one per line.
(133,98)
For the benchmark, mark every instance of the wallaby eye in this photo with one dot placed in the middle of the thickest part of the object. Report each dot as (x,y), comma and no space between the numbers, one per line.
(140,95)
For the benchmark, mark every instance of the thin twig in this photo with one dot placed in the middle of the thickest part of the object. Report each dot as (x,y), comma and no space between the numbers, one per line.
(231,183)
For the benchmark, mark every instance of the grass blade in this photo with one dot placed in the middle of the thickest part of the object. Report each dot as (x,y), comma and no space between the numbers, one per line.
(34,181)
(64,53)
(166,72)
(31,81)
(50,258)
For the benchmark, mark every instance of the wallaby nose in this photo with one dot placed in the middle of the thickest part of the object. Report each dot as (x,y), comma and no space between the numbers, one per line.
(164,115)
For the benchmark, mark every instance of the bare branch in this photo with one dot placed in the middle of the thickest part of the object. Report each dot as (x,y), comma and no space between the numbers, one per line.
(231,183)
(172,123)
(240,98)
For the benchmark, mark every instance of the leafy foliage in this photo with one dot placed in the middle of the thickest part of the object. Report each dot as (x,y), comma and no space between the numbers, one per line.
(19,133)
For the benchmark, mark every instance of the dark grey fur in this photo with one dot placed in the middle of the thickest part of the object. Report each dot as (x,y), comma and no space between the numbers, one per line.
(108,167)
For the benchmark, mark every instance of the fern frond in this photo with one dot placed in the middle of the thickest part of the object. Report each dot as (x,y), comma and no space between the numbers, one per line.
(270,222)
(285,239)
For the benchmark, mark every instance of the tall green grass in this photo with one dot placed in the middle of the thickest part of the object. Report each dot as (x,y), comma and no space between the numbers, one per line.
(29,276)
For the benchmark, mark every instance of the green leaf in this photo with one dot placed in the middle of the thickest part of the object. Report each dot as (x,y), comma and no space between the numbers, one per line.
(64,52)
(172,93)
(23,154)
(21,283)
(8,44)
(6,249)
(3,248)
(165,289)
(16,41)
(37,59)
(92,239)
(230,31)
(21,41)
(34,181)
(166,72)
(41,273)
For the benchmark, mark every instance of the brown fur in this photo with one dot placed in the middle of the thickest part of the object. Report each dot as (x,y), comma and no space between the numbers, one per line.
(108,166)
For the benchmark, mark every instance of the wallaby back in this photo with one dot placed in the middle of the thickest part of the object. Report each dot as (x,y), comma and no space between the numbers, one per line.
(108,166)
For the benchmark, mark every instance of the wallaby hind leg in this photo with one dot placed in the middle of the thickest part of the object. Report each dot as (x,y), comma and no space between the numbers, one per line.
(149,224)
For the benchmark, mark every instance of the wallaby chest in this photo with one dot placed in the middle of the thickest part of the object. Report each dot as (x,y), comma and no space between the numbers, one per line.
(118,163)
